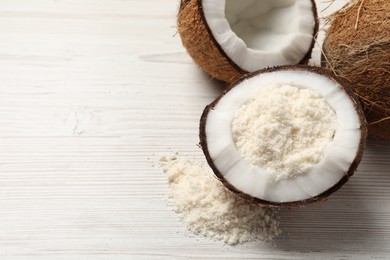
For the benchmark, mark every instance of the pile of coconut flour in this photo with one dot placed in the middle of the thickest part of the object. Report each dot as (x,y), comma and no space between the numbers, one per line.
(208,208)
(284,129)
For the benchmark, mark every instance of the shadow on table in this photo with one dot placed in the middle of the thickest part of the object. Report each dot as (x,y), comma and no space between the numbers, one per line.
(216,85)
(355,218)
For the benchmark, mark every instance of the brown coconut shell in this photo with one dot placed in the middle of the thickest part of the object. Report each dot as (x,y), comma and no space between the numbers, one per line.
(357,48)
(201,45)
(323,196)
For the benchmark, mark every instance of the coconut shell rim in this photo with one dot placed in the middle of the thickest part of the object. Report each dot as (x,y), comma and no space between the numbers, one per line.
(294,204)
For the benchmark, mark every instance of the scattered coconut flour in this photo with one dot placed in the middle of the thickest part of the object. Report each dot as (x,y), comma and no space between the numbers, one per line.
(284,129)
(209,209)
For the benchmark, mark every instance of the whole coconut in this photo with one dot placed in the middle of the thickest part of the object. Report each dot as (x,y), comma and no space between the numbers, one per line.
(357,48)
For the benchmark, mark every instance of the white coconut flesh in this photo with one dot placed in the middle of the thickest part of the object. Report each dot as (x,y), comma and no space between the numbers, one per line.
(261,182)
(256,34)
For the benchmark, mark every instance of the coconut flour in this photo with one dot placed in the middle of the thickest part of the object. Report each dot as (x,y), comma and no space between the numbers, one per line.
(208,208)
(284,129)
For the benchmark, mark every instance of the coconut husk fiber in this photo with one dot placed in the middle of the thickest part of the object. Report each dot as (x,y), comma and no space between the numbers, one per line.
(201,45)
(357,48)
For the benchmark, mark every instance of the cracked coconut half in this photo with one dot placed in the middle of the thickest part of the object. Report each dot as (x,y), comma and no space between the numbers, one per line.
(229,38)
(285,136)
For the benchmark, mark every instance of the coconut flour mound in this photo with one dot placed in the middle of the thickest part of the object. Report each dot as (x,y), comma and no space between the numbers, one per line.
(209,209)
(284,129)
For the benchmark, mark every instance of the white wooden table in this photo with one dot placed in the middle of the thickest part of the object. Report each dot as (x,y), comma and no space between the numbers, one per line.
(91,93)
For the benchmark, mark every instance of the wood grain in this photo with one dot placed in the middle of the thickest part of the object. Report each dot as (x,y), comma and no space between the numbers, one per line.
(92,92)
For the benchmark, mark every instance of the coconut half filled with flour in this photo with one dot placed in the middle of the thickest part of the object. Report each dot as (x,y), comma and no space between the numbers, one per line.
(229,38)
(285,136)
